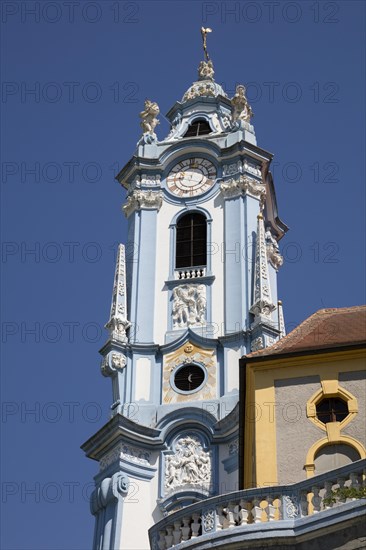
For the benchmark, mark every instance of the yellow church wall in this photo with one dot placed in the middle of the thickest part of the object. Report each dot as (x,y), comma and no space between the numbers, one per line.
(261,466)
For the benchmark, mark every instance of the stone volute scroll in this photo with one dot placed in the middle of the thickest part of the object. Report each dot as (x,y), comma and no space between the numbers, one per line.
(111,488)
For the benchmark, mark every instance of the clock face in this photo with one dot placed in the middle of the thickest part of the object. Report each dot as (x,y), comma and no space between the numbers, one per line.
(191,177)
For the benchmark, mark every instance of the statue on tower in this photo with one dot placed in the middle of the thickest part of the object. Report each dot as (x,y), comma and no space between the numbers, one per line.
(205,69)
(149,119)
(242,109)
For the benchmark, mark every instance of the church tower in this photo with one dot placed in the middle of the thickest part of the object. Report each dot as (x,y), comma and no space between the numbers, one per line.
(195,289)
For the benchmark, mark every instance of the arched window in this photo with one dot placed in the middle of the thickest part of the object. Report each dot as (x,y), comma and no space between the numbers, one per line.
(191,241)
(199,127)
(334,456)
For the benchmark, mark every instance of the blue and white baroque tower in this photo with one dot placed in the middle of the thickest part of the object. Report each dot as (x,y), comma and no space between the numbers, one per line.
(195,289)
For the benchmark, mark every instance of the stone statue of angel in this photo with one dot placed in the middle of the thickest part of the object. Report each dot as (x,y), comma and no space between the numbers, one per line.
(149,117)
(242,109)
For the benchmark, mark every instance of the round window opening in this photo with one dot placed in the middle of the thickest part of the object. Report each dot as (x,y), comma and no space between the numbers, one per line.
(331,410)
(189,378)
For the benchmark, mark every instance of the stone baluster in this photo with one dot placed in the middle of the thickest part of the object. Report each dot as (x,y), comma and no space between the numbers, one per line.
(257,510)
(161,541)
(195,525)
(280,508)
(169,537)
(177,533)
(355,484)
(223,521)
(304,505)
(236,511)
(231,514)
(186,529)
(316,500)
(341,482)
(270,509)
(328,493)
(243,513)
(220,518)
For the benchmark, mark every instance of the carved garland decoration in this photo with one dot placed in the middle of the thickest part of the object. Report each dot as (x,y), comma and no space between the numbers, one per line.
(132,454)
(243,185)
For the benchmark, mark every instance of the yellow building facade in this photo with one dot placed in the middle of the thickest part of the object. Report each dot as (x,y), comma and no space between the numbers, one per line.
(303,401)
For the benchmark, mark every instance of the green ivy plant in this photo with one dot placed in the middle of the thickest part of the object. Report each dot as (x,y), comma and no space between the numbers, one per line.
(343,493)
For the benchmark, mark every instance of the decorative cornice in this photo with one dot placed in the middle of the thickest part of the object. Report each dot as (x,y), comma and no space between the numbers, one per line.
(139,199)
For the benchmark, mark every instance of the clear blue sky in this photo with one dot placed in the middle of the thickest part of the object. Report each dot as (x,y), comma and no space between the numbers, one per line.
(91,68)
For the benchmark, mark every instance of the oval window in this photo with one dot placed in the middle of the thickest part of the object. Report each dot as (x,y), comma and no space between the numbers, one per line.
(189,378)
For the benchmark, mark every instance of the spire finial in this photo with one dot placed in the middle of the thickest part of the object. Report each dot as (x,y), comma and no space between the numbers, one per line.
(204,32)
(118,323)
(281,320)
(262,301)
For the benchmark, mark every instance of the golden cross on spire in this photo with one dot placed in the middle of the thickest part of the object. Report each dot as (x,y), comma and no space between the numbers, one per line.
(204,33)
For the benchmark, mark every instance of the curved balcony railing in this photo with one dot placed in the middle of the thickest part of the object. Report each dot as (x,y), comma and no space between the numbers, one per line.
(231,511)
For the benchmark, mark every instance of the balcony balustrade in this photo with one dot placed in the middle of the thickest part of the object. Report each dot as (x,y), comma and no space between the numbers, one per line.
(190,272)
(243,509)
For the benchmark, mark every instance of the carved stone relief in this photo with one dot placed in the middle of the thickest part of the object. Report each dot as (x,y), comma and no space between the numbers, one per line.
(243,185)
(208,520)
(257,344)
(150,179)
(113,362)
(189,305)
(132,454)
(234,447)
(198,89)
(188,467)
(273,251)
(143,199)
(252,169)
(231,169)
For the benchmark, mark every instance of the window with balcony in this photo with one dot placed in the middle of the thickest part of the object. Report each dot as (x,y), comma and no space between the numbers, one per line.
(191,241)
